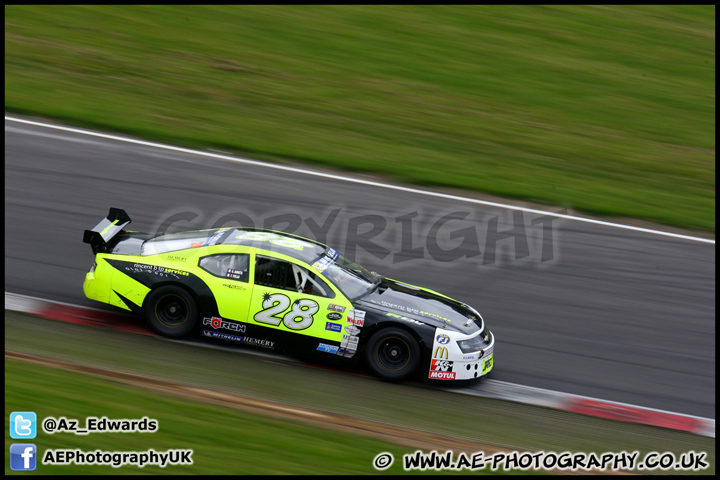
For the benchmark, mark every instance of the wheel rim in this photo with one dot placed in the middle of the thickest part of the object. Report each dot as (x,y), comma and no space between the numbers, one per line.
(393,353)
(172,311)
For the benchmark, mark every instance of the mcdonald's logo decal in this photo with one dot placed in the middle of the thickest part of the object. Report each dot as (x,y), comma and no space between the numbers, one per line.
(440,352)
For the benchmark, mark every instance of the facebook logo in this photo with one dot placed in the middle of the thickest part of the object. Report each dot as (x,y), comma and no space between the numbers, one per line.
(23,456)
(23,425)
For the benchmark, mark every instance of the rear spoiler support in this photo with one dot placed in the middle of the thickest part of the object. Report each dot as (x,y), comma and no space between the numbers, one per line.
(104,231)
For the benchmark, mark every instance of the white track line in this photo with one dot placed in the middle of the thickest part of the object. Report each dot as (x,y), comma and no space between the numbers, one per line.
(357,180)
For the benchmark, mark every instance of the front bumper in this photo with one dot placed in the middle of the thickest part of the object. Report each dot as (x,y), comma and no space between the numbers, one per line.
(450,363)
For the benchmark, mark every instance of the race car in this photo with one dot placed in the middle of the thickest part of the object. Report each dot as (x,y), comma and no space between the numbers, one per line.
(278,291)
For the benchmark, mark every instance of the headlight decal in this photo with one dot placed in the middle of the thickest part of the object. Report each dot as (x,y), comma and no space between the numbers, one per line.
(472,344)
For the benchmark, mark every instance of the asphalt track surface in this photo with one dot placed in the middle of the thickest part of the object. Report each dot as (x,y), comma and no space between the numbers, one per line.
(576,307)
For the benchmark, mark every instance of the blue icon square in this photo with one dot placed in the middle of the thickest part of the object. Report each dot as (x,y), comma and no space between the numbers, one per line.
(23,425)
(23,456)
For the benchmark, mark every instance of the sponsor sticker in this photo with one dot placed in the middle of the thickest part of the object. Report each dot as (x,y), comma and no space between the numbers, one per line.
(337,308)
(324,347)
(349,341)
(442,365)
(442,375)
(223,336)
(322,264)
(235,274)
(352,329)
(348,351)
(441,352)
(442,339)
(217,322)
(356,322)
(405,308)
(334,316)
(156,270)
(333,327)
(487,365)
(356,317)
(258,342)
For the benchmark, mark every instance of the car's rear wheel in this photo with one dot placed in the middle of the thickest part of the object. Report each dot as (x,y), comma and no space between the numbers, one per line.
(171,311)
(393,354)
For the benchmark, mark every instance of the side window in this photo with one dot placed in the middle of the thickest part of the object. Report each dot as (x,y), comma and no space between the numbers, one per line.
(275,273)
(233,266)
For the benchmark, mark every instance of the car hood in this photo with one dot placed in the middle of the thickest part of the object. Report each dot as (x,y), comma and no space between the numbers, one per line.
(422,305)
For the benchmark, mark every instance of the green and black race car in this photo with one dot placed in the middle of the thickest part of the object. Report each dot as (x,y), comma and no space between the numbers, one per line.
(283,292)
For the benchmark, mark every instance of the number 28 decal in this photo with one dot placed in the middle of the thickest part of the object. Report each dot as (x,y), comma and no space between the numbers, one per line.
(299,317)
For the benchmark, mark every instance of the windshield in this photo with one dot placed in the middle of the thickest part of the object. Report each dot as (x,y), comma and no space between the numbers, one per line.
(352,279)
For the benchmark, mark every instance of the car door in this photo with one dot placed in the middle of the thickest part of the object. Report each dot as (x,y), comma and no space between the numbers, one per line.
(228,276)
(296,303)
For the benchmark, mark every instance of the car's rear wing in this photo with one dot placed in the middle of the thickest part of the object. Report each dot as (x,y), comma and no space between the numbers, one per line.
(104,231)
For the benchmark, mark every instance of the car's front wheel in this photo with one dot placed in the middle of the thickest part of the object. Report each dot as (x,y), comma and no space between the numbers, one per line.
(393,354)
(171,311)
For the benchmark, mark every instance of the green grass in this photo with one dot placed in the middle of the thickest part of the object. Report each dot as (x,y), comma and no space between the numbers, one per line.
(223,440)
(605,109)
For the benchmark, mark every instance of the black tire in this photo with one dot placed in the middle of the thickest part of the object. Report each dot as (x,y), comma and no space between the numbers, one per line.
(393,354)
(171,311)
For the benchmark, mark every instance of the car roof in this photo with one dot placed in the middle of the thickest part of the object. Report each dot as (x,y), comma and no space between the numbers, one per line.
(294,246)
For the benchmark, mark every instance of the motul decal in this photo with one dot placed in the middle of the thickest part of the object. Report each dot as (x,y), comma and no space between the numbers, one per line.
(442,375)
